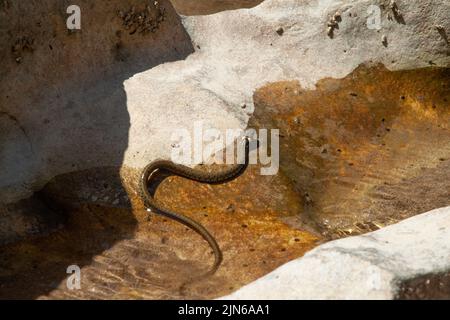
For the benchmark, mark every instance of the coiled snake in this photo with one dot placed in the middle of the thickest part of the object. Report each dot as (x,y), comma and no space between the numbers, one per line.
(195,175)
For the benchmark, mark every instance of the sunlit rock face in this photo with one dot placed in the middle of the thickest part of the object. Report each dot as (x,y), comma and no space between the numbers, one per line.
(363,115)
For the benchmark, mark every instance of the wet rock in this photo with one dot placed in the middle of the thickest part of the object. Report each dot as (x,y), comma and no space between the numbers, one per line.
(133,97)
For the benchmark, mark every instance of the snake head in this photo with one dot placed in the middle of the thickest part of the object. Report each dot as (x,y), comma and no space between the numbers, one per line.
(251,141)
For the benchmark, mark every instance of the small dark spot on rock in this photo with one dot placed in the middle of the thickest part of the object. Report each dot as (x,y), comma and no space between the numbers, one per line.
(280,31)
(402,97)
(244,226)
(353,94)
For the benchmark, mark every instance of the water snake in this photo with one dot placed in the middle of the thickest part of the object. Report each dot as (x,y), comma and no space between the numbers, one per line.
(198,176)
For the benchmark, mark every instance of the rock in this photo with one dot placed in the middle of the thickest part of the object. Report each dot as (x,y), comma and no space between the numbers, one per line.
(202,7)
(120,100)
(124,119)
(371,266)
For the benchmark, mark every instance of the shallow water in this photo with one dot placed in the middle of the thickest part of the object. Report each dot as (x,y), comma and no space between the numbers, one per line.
(356,154)
(364,151)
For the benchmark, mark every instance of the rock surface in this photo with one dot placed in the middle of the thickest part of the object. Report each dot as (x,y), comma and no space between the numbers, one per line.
(371,266)
(202,7)
(68,126)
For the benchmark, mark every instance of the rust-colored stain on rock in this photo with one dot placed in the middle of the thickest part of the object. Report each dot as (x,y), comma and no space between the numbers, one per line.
(367,150)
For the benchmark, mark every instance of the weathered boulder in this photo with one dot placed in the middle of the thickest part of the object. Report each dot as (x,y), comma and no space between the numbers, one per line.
(80,102)
(63,105)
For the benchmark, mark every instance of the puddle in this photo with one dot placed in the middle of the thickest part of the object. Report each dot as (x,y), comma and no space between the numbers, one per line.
(364,151)
(123,254)
(356,154)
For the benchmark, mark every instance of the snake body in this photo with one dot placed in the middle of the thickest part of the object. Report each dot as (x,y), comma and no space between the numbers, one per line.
(198,176)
